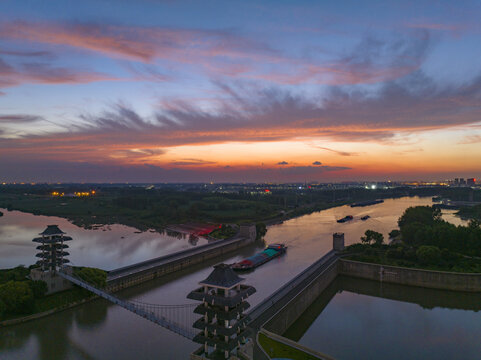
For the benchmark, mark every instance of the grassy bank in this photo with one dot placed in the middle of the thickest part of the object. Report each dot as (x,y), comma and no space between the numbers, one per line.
(276,349)
(424,241)
(400,255)
(470,212)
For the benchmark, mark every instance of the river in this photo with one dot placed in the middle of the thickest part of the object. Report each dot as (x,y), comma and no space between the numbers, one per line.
(99,330)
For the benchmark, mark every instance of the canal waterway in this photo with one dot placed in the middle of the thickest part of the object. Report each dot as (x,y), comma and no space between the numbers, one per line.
(363,319)
(99,330)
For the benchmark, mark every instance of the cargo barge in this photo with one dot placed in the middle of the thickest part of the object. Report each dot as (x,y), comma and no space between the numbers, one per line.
(271,252)
(345,218)
(367,203)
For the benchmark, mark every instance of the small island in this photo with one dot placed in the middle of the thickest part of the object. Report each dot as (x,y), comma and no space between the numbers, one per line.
(424,241)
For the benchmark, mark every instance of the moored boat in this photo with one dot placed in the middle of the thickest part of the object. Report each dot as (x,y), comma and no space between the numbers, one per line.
(271,252)
(345,218)
(367,203)
(365,217)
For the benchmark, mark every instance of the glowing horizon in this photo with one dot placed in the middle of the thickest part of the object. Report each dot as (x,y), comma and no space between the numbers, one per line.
(167,92)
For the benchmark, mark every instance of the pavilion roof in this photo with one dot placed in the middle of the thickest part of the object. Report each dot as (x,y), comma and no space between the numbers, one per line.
(222,276)
(52,239)
(52,230)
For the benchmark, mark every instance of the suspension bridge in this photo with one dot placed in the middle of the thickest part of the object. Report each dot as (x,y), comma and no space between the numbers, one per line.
(176,318)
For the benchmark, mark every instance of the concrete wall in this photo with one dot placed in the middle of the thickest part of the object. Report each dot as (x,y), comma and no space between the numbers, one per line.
(288,314)
(248,231)
(412,277)
(54,282)
(284,318)
(174,265)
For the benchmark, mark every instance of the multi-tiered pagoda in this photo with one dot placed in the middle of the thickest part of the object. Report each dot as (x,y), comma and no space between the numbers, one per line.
(52,255)
(223,325)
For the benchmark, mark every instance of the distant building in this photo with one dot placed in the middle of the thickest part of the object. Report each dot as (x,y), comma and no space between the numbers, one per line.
(471,182)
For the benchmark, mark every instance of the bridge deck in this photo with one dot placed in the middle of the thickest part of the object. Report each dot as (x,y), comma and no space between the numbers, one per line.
(141,310)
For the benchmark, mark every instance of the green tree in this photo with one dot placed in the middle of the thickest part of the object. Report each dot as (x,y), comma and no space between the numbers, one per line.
(372,236)
(428,255)
(17,297)
(3,308)
(93,276)
(261,230)
(39,288)
(426,215)
(394,233)
(474,224)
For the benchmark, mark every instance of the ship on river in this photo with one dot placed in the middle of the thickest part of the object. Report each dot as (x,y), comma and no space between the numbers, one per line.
(345,218)
(271,252)
(367,203)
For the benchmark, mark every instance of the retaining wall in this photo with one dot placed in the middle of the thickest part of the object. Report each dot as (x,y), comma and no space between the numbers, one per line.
(130,276)
(412,277)
(285,317)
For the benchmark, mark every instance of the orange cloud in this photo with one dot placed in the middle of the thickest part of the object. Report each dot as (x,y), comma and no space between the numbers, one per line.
(222,52)
(138,43)
(46,74)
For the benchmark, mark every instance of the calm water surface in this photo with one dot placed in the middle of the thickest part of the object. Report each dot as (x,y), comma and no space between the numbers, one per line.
(108,247)
(99,330)
(366,320)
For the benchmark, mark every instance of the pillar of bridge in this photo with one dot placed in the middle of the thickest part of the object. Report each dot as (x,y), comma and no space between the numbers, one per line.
(338,241)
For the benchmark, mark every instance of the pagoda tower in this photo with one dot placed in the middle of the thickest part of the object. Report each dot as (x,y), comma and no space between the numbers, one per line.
(223,325)
(52,255)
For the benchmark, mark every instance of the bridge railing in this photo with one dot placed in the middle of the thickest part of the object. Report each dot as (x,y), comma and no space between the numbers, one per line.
(152,312)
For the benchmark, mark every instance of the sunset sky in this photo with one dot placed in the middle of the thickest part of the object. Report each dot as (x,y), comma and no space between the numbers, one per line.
(196,91)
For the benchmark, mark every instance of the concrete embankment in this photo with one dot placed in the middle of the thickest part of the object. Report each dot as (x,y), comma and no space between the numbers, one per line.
(148,270)
(304,297)
(275,302)
(428,298)
(286,307)
(279,311)
(413,277)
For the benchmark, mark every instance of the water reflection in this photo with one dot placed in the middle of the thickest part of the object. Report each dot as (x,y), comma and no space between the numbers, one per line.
(101,327)
(356,318)
(105,247)
(49,340)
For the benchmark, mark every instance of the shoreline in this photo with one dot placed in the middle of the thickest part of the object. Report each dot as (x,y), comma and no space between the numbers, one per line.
(268,223)
(81,222)
(434,279)
(35,316)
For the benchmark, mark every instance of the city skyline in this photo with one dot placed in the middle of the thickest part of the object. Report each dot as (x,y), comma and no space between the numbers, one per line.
(159,91)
